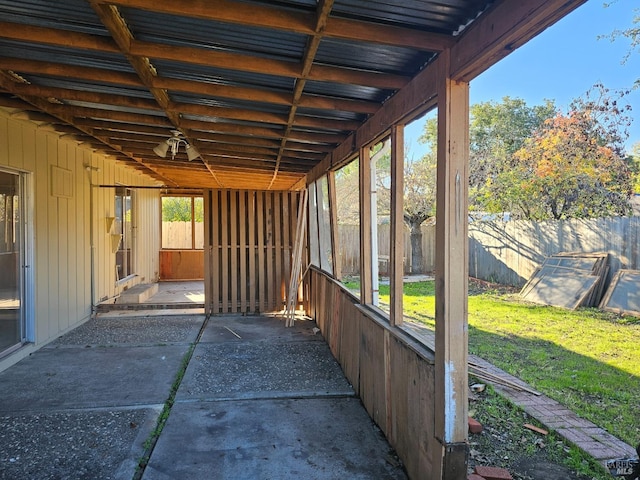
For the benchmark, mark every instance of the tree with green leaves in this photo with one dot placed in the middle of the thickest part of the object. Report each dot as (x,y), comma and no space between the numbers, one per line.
(496,131)
(419,201)
(178,209)
(574,165)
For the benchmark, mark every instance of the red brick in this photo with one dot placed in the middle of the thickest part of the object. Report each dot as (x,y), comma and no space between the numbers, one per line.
(474,425)
(475,476)
(493,473)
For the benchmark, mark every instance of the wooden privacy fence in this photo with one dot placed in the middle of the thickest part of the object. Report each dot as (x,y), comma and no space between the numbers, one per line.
(248,242)
(349,251)
(181,235)
(509,252)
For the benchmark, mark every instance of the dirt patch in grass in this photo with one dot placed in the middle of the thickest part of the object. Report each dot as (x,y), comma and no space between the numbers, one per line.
(505,442)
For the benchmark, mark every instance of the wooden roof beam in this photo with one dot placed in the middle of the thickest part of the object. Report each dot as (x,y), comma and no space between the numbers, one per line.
(322,14)
(265,117)
(8,82)
(140,50)
(86,96)
(264,96)
(264,132)
(122,128)
(505,27)
(100,75)
(110,17)
(298,22)
(249,63)
(62,38)
(103,114)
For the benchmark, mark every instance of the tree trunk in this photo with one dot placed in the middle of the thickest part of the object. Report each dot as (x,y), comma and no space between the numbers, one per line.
(416,247)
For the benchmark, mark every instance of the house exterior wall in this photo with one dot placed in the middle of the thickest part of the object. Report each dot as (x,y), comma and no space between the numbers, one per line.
(59,198)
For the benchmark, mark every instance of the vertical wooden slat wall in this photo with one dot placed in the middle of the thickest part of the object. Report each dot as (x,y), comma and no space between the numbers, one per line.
(250,245)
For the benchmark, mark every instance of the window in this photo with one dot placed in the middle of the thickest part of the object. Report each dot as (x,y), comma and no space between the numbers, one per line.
(124,227)
(12,257)
(348,225)
(182,223)
(314,243)
(324,225)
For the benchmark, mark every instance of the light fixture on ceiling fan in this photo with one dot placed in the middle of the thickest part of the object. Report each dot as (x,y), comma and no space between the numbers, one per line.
(173,143)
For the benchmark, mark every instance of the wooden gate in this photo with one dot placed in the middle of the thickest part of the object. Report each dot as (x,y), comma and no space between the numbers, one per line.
(248,242)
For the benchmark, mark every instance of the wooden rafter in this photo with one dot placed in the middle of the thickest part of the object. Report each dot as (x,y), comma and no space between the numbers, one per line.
(116,25)
(7,82)
(324,9)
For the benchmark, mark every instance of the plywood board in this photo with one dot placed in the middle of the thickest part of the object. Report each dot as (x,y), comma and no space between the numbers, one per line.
(623,295)
(568,280)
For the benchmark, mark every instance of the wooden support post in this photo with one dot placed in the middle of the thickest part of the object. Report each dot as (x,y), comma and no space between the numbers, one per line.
(450,459)
(208,218)
(333,215)
(396,253)
(366,279)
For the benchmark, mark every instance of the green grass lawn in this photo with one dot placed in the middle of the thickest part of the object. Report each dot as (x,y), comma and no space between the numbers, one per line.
(587,360)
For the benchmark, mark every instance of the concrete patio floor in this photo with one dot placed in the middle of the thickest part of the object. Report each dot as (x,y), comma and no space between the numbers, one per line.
(251,399)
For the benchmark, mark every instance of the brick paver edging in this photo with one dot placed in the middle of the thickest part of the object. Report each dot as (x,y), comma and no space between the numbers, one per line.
(585,435)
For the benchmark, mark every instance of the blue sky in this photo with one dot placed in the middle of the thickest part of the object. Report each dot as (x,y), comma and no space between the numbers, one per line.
(563,62)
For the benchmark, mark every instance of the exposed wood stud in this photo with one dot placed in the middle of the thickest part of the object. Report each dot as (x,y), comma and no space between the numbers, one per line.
(451,348)
(366,278)
(396,254)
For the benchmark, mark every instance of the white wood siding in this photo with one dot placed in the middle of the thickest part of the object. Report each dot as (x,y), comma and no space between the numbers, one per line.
(62,225)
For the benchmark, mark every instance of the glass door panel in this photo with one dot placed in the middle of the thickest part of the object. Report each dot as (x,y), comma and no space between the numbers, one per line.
(11,253)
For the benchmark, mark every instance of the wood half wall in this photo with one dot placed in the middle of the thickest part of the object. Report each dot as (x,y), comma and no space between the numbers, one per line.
(393,374)
(248,242)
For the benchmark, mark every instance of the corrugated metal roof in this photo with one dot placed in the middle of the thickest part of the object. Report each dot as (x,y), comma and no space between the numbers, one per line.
(445,16)
(330,114)
(195,32)
(65,55)
(221,76)
(86,86)
(238,104)
(73,15)
(342,90)
(245,70)
(374,58)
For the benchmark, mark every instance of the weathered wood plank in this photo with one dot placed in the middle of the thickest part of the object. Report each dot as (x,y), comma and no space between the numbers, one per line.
(397,224)
(451,270)
(215,249)
(224,250)
(233,250)
(251,252)
(261,266)
(244,250)
(366,275)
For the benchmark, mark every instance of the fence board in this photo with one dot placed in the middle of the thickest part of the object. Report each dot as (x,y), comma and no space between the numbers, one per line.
(244,250)
(251,284)
(277,221)
(509,252)
(215,249)
(233,250)
(269,250)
